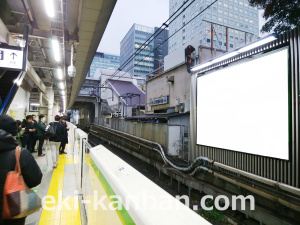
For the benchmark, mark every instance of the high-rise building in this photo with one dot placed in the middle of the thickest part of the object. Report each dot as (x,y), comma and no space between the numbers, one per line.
(143,63)
(231,20)
(160,48)
(103,61)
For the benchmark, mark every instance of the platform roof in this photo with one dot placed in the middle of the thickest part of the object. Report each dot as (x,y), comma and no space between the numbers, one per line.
(80,23)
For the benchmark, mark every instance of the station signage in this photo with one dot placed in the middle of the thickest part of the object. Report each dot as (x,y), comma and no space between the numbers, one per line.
(12,57)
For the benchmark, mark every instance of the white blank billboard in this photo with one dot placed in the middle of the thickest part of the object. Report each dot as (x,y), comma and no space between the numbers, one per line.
(245,107)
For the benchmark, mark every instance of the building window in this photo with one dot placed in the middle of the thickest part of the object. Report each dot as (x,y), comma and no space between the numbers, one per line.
(183,30)
(231,37)
(220,43)
(208,40)
(183,16)
(224,43)
(231,45)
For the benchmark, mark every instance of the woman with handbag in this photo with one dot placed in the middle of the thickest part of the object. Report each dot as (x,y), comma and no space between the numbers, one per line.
(29,169)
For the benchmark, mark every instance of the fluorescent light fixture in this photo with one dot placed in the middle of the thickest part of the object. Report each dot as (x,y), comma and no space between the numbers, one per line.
(61,85)
(35,104)
(63,93)
(258,43)
(49,7)
(59,73)
(56,49)
(201,66)
(223,57)
(238,51)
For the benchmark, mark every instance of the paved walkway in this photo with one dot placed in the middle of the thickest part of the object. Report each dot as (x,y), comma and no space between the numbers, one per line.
(59,182)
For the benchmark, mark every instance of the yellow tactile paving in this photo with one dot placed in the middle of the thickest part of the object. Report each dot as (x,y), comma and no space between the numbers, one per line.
(98,215)
(60,215)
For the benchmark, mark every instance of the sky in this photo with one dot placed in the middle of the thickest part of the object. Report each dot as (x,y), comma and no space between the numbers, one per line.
(145,12)
(127,12)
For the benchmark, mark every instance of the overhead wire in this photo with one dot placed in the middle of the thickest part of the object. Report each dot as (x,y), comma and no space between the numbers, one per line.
(159,30)
(169,37)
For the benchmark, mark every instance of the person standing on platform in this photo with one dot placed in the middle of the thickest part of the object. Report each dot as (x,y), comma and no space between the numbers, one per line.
(34,134)
(65,137)
(41,126)
(31,172)
(20,133)
(27,125)
(54,142)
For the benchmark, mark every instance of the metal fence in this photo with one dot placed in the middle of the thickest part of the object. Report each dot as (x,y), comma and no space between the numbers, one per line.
(156,132)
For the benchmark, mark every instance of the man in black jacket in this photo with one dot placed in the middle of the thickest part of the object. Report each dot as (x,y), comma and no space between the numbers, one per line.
(54,142)
(34,134)
(28,135)
(31,172)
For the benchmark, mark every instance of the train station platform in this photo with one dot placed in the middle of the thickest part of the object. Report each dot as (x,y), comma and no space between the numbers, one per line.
(56,181)
(93,186)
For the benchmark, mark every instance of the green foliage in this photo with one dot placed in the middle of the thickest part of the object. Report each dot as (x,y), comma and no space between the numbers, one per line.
(280,15)
(212,215)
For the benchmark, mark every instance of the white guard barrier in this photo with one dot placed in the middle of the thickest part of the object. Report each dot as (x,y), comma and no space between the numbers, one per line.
(77,137)
(145,201)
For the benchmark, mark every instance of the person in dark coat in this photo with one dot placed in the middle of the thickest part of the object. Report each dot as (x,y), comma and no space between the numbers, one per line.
(31,172)
(54,142)
(41,127)
(28,127)
(65,137)
(34,134)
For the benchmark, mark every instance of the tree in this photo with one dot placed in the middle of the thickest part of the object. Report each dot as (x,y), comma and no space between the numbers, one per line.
(281,15)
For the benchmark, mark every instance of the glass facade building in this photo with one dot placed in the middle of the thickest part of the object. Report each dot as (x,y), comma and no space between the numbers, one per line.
(103,61)
(235,18)
(160,49)
(143,63)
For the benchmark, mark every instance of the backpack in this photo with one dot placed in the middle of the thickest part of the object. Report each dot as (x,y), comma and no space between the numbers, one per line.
(50,131)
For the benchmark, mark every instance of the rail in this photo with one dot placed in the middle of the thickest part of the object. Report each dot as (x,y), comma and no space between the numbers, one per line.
(101,173)
(202,164)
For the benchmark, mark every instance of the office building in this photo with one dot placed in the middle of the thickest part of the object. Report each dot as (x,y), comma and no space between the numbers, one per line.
(232,20)
(160,49)
(103,61)
(143,63)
